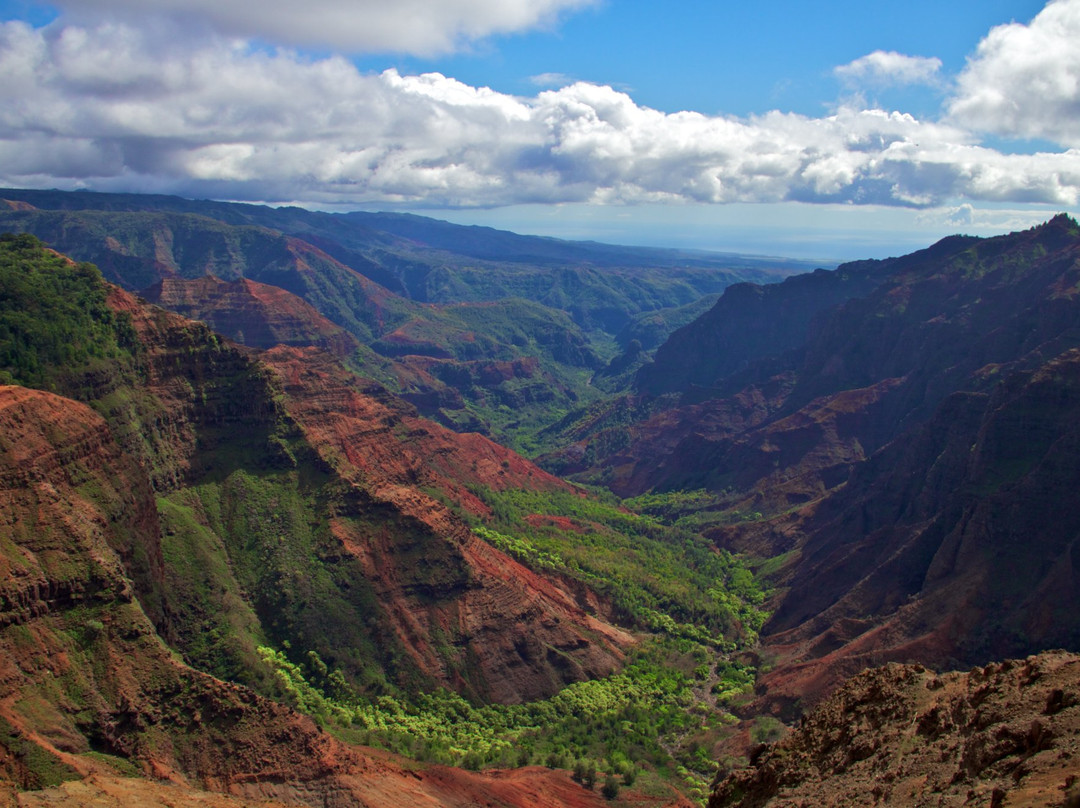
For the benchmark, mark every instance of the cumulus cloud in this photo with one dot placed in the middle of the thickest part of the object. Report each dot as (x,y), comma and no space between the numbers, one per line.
(117,108)
(888,68)
(424,27)
(1024,80)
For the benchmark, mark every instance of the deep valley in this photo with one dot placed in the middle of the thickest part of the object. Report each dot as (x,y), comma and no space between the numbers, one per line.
(369,509)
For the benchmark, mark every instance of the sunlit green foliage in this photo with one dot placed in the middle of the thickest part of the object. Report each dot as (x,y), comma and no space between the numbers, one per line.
(662,714)
(696,510)
(664,579)
(256,589)
(644,716)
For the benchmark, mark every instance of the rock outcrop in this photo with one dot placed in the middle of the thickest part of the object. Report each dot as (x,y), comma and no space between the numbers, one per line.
(524,635)
(1007,734)
(87,686)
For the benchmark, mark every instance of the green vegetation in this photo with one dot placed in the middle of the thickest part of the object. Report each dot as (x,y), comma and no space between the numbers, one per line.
(216,629)
(662,715)
(53,317)
(663,578)
(255,587)
(28,764)
(652,328)
(767,729)
(265,533)
(694,510)
(490,295)
(122,766)
(649,717)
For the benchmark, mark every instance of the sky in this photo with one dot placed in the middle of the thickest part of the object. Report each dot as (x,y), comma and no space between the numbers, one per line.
(828,130)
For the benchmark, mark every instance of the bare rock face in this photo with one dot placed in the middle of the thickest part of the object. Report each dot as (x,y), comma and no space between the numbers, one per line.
(251,313)
(65,549)
(364,536)
(82,669)
(955,545)
(834,366)
(515,636)
(1007,734)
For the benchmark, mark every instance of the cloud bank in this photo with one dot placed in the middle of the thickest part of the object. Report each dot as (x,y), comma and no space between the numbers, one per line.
(117,107)
(420,27)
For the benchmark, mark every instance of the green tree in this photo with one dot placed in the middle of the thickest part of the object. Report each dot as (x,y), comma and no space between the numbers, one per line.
(610,789)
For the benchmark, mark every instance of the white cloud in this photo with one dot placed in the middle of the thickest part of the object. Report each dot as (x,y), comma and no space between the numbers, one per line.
(424,27)
(974,220)
(886,68)
(117,108)
(551,80)
(1024,80)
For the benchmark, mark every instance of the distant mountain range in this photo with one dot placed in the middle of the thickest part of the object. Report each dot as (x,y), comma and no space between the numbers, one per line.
(421,296)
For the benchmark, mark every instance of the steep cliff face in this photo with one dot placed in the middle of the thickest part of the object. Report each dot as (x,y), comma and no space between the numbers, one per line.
(277,288)
(203,502)
(512,635)
(251,313)
(751,322)
(89,690)
(927,326)
(909,463)
(185,398)
(74,505)
(138,249)
(958,544)
(408,287)
(302,507)
(85,676)
(1004,735)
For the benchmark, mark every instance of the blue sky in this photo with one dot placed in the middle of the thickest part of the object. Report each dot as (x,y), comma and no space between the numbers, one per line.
(839,129)
(725,58)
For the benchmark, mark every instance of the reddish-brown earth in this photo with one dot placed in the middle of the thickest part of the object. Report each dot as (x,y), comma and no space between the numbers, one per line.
(910,457)
(526,634)
(251,313)
(384,440)
(85,679)
(959,543)
(1007,734)
(435,787)
(96,506)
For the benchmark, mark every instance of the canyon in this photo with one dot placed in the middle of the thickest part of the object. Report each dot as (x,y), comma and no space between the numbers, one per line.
(245,525)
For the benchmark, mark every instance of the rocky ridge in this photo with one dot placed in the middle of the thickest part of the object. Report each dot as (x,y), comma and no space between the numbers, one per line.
(524,634)
(906,463)
(117,526)
(89,692)
(1007,734)
(403,286)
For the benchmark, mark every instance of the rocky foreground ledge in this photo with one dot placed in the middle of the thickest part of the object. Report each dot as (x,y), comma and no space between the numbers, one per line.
(1004,735)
